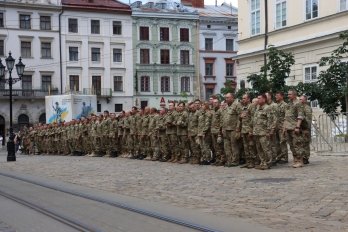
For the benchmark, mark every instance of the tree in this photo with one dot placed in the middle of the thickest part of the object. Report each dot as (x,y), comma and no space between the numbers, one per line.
(278,66)
(333,82)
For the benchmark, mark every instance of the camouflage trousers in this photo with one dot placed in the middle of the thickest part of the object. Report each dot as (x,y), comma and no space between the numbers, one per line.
(183,147)
(264,150)
(218,149)
(281,146)
(205,144)
(249,148)
(154,144)
(131,144)
(232,149)
(173,144)
(306,144)
(295,142)
(195,149)
(145,145)
(164,145)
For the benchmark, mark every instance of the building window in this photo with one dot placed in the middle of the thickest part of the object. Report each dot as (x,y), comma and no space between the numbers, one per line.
(229,27)
(118,107)
(117,27)
(73,25)
(184,35)
(165,84)
(25,49)
(46,50)
(74,82)
(118,84)
(1,19)
(98,107)
(23,120)
(311,9)
(95,27)
(145,84)
(45,22)
(73,53)
(144,33)
(255,17)
(46,81)
(96,85)
(164,56)
(343,5)
(185,84)
(229,44)
(280,13)
(311,74)
(208,44)
(144,56)
(209,69)
(164,34)
(24,21)
(208,26)
(2,48)
(209,91)
(42,118)
(96,54)
(117,55)
(229,69)
(184,57)
(27,82)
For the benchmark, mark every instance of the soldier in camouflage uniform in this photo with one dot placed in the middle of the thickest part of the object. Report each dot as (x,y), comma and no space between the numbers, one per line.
(230,117)
(203,133)
(282,147)
(113,135)
(145,140)
(245,128)
(294,116)
(132,132)
(306,128)
(216,136)
(263,124)
(192,128)
(162,136)
(153,136)
(181,124)
(273,140)
(171,132)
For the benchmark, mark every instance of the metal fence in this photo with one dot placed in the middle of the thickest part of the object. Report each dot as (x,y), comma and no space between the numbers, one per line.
(330,133)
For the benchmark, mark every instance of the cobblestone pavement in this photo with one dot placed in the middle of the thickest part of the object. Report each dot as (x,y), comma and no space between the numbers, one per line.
(5,228)
(313,198)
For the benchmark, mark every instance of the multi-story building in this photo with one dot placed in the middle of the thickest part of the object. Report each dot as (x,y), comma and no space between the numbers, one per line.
(97,51)
(165,41)
(308,28)
(29,29)
(218,29)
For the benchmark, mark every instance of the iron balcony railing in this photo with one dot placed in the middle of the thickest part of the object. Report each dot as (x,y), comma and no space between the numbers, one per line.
(102,92)
(25,93)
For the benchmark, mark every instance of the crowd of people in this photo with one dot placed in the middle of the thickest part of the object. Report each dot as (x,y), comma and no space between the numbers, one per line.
(245,133)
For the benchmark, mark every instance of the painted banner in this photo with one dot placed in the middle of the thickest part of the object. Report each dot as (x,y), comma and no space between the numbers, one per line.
(64,108)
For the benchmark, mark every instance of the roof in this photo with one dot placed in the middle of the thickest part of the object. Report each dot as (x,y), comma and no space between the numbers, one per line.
(162,6)
(224,10)
(108,5)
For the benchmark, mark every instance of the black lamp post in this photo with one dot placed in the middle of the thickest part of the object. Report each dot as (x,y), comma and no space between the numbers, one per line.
(10,62)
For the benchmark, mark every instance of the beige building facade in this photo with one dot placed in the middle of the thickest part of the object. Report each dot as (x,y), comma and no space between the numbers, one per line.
(307,28)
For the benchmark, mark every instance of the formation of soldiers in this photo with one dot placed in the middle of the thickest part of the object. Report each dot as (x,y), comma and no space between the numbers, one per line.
(232,133)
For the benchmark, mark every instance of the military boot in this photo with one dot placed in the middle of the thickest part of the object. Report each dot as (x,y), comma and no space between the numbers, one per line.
(183,161)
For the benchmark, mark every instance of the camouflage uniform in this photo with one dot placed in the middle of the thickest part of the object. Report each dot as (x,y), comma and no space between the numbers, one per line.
(192,135)
(282,147)
(293,113)
(163,139)
(230,119)
(262,125)
(204,136)
(153,137)
(306,128)
(217,142)
(181,123)
(171,134)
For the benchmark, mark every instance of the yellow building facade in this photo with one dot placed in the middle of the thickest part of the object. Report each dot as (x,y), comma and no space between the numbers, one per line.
(307,28)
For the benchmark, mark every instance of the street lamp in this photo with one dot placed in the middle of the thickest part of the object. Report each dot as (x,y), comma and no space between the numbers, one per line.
(10,62)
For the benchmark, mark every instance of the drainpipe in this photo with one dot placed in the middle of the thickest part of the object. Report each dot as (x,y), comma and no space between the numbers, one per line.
(266,37)
(60,52)
(198,61)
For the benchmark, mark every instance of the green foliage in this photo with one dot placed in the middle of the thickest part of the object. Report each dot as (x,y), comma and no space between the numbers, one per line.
(332,83)
(185,96)
(278,68)
(228,88)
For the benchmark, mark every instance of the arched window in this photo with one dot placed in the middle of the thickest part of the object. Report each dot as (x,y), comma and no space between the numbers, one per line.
(42,118)
(23,120)
(185,84)
(165,84)
(242,84)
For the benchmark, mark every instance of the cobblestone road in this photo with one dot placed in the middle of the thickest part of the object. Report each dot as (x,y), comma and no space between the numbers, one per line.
(314,198)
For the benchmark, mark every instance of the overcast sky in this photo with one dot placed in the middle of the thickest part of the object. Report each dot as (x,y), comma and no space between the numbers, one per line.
(206,2)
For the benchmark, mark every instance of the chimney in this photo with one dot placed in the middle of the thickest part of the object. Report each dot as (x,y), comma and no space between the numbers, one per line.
(193,3)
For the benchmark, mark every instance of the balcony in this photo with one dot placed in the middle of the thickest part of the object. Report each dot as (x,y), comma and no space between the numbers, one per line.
(27,93)
(102,92)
